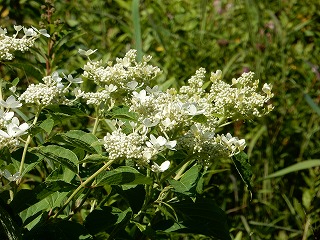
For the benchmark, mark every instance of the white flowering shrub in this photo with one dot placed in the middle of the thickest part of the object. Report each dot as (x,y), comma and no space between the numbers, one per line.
(142,146)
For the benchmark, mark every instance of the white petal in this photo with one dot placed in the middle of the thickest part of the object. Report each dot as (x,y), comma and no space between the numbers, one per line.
(12,103)
(44,32)
(24,126)
(15,121)
(17,27)
(171,144)
(164,166)
(8,116)
(132,85)
(161,141)
(4,134)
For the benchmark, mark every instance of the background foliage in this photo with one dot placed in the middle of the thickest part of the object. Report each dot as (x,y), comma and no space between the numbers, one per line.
(278,40)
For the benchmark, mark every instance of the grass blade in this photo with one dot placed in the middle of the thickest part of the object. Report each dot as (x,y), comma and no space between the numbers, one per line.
(295,167)
(137,29)
(311,103)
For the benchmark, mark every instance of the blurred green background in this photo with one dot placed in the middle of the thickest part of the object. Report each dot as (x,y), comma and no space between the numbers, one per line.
(279,40)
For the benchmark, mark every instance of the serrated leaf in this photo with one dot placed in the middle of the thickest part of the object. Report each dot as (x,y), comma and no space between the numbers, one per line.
(188,182)
(59,154)
(61,173)
(28,69)
(80,139)
(31,161)
(32,215)
(190,177)
(123,176)
(203,217)
(26,198)
(95,158)
(123,113)
(109,219)
(58,229)
(135,196)
(63,110)
(179,187)
(5,154)
(47,125)
(243,167)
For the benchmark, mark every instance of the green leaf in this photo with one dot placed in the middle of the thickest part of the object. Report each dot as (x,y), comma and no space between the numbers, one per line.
(28,69)
(26,198)
(146,230)
(9,229)
(243,167)
(190,177)
(199,118)
(79,139)
(95,158)
(61,173)
(5,154)
(31,160)
(32,215)
(15,81)
(47,125)
(109,219)
(59,154)
(179,187)
(203,217)
(123,176)
(135,196)
(137,28)
(59,229)
(61,113)
(295,167)
(311,103)
(188,182)
(123,113)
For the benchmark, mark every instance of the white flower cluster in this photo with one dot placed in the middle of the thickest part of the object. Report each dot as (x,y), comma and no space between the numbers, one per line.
(135,145)
(166,120)
(10,44)
(193,114)
(202,140)
(96,98)
(52,91)
(173,109)
(164,108)
(10,128)
(239,99)
(126,74)
(121,146)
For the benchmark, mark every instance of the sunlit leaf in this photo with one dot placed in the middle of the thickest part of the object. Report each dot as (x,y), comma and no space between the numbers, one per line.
(60,155)
(123,176)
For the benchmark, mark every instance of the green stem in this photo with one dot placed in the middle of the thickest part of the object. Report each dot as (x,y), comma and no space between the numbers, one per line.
(82,185)
(96,123)
(221,120)
(1,92)
(26,145)
(173,170)
(95,127)
(181,171)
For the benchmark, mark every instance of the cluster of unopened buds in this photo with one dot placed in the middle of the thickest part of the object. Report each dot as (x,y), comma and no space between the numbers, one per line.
(11,44)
